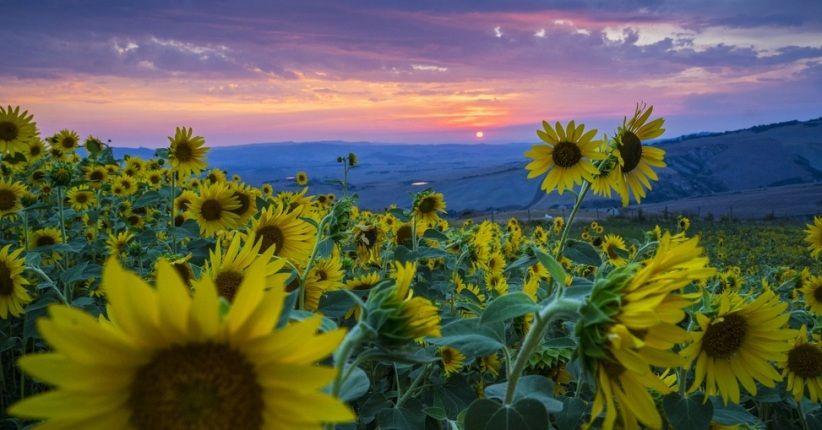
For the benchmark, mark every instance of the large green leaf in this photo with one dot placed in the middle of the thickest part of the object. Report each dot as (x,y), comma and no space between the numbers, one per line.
(525,414)
(554,268)
(533,387)
(471,337)
(507,307)
(688,413)
(582,253)
(355,386)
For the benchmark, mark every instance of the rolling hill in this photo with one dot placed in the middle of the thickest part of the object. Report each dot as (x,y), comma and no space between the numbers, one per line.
(480,177)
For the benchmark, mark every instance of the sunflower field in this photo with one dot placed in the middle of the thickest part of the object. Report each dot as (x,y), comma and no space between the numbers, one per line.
(162,294)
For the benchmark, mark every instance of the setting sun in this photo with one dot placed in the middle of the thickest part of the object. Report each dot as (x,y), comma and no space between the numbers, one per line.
(480,135)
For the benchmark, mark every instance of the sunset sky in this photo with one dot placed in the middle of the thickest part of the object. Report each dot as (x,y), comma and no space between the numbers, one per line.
(405,71)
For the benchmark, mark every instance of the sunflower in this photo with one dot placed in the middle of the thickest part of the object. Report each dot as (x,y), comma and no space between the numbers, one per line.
(490,364)
(814,236)
(66,141)
(96,175)
(17,130)
(631,323)
(186,152)
(428,206)
(610,245)
(212,209)
(325,275)
(363,282)
(116,243)
(154,178)
(291,237)
(636,159)
(558,224)
(301,178)
(607,180)
(36,150)
(737,345)
(215,175)
(45,237)
(173,361)
(247,197)
(803,368)
(11,196)
(267,190)
(369,238)
(566,155)
(13,293)
(812,290)
(452,359)
(226,269)
(81,198)
(126,184)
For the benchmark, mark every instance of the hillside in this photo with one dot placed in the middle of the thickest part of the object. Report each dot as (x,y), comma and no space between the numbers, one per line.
(483,177)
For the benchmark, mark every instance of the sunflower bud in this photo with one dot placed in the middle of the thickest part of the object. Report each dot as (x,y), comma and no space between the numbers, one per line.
(60,175)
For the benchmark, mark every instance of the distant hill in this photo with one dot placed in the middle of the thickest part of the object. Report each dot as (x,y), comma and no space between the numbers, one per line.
(481,177)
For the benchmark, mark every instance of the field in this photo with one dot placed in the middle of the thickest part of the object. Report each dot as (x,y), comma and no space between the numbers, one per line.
(158,292)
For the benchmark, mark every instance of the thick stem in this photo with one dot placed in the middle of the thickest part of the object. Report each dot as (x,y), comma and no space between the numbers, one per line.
(412,387)
(582,192)
(343,353)
(558,307)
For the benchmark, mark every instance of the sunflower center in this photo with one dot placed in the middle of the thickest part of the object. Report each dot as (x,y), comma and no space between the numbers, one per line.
(7,200)
(447,356)
(228,281)
(566,154)
(211,210)
(612,254)
(179,220)
(271,235)
(245,203)
(183,152)
(817,294)
(370,237)
(722,339)
(184,270)
(81,198)
(197,386)
(428,205)
(630,151)
(68,142)
(404,234)
(8,131)
(96,175)
(806,361)
(45,241)
(34,150)
(6,282)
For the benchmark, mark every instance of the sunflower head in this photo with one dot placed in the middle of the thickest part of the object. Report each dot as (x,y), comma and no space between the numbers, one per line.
(186,152)
(452,359)
(566,154)
(301,178)
(803,367)
(93,145)
(17,130)
(428,205)
(66,140)
(813,236)
(61,174)
(13,292)
(11,197)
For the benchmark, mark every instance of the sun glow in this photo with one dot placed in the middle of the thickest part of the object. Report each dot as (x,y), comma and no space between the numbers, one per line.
(479,134)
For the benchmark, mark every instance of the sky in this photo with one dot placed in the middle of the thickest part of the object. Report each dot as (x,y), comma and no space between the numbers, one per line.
(422,71)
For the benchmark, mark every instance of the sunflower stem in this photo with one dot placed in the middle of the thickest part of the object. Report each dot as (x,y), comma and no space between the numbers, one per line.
(582,193)
(62,214)
(171,231)
(557,308)
(304,275)
(414,384)
(352,341)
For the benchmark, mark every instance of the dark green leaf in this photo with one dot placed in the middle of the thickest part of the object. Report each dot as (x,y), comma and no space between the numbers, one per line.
(582,253)
(534,387)
(479,413)
(471,338)
(355,386)
(691,413)
(554,268)
(507,307)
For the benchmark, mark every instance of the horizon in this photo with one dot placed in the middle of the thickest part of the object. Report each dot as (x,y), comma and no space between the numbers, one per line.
(406,73)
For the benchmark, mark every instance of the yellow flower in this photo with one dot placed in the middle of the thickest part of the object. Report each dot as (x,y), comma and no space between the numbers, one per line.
(610,245)
(737,345)
(684,223)
(80,198)
(17,130)
(13,293)
(247,197)
(452,360)
(11,195)
(428,207)
(635,158)
(301,178)
(291,237)
(163,359)
(814,236)
(566,154)
(812,291)
(116,243)
(96,175)
(227,269)
(401,317)
(212,209)
(803,368)
(186,152)
(326,274)
(45,237)
(66,141)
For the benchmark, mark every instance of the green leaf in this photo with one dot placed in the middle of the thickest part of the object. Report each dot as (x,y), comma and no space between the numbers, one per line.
(435,235)
(731,414)
(533,387)
(479,413)
(554,268)
(507,307)
(425,252)
(523,261)
(582,253)
(355,386)
(691,413)
(571,416)
(560,342)
(407,417)
(470,337)
(149,198)
(335,304)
